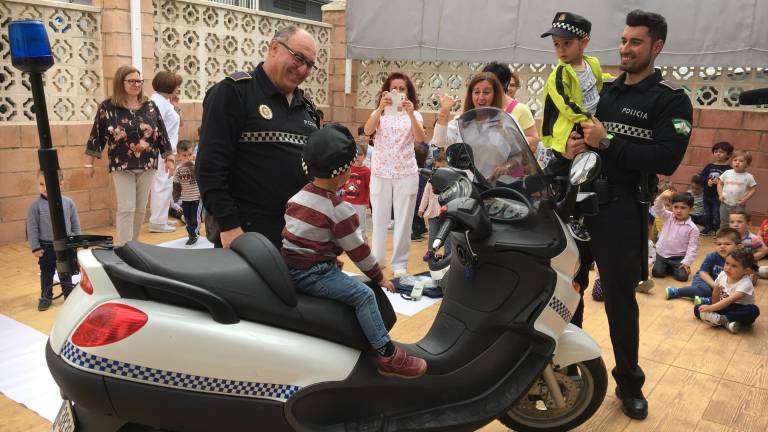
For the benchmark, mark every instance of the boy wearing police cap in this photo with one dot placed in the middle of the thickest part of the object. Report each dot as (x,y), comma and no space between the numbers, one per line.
(572,89)
(319,226)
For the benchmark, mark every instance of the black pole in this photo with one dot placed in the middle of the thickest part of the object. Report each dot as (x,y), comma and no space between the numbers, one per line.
(49,164)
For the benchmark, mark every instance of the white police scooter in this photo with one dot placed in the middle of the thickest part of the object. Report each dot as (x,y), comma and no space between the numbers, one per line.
(199,340)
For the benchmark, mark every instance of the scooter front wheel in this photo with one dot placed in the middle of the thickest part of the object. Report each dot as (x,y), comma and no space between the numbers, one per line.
(583,386)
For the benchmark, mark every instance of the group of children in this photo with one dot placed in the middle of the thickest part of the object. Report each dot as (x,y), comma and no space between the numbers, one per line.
(723,287)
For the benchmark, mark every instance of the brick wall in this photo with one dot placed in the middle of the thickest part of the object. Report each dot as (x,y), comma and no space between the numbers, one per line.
(746,130)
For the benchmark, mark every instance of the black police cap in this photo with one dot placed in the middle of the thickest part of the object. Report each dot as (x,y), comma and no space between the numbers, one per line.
(329,152)
(569,25)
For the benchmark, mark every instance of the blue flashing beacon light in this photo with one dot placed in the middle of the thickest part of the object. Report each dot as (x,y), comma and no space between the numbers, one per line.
(30,49)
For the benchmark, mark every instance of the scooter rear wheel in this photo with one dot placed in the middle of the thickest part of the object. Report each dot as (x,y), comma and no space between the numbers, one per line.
(583,394)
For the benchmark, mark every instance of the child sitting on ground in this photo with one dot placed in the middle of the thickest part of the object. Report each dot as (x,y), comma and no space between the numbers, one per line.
(734,294)
(697,192)
(735,186)
(703,283)
(185,188)
(739,220)
(357,191)
(679,239)
(40,236)
(319,226)
(429,208)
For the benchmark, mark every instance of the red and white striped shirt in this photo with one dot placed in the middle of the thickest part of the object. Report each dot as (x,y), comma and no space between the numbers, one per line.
(319,226)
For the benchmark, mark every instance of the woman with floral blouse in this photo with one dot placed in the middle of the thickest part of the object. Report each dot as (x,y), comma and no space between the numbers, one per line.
(394,174)
(131,128)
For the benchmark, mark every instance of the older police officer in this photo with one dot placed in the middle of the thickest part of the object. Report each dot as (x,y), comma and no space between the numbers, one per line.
(641,129)
(255,125)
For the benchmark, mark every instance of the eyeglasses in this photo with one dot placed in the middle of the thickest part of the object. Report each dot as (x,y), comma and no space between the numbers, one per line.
(298,58)
(134,81)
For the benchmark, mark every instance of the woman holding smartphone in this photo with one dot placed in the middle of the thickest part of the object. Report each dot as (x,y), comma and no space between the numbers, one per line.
(397,126)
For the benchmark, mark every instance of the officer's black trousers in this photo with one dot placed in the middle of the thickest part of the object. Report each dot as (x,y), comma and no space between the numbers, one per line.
(616,247)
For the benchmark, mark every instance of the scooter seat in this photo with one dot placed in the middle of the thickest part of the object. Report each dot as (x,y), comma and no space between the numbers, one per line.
(252,278)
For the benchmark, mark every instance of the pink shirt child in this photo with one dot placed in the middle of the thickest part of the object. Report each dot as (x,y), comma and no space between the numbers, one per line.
(677,238)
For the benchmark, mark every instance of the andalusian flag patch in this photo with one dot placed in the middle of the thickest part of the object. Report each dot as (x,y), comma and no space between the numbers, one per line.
(682,126)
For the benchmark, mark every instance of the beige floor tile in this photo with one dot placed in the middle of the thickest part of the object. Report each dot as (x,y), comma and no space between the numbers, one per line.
(738,406)
(709,351)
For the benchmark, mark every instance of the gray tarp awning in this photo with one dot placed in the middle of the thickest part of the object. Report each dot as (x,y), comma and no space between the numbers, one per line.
(701,32)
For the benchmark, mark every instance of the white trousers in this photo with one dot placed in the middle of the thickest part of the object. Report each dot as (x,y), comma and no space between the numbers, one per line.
(400,195)
(161,195)
(132,191)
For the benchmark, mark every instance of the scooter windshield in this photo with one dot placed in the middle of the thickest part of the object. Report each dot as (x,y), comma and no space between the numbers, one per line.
(499,148)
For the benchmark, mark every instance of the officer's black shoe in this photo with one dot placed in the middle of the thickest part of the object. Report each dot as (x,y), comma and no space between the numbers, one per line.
(635,407)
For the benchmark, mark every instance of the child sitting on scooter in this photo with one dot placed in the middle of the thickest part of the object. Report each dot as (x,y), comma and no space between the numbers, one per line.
(319,226)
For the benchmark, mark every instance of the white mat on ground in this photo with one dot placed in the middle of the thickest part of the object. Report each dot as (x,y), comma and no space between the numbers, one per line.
(24,375)
(202,243)
(401,305)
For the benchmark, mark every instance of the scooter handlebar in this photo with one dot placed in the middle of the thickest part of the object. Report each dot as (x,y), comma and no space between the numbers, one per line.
(445,229)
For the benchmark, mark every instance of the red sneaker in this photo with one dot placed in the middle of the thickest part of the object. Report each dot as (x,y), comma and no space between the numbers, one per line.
(402,365)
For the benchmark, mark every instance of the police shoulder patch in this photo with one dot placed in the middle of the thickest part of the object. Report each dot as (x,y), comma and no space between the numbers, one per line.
(240,76)
(682,126)
(670,85)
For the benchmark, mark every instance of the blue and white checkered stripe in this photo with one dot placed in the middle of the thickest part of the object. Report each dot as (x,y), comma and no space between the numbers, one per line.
(83,360)
(560,308)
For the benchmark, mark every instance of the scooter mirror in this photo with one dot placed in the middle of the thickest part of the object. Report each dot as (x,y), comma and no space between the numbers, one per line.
(584,168)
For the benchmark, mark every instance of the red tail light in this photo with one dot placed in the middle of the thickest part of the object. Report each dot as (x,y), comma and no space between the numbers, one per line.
(85,282)
(108,324)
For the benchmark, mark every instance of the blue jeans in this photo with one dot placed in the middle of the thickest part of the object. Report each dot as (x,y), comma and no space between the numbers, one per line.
(712,213)
(698,288)
(741,313)
(325,280)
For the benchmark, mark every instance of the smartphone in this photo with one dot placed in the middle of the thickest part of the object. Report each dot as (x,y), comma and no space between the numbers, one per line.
(397,103)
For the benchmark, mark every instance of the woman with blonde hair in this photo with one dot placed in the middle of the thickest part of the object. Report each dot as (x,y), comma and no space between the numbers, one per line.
(132,129)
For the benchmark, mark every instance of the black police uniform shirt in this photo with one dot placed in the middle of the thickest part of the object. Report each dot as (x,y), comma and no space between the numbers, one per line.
(651,124)
(249,158)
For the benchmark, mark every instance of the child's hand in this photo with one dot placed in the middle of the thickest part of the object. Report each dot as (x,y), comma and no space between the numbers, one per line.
(686,268)
(743,201)
(722,199)
(38,253)
(421,213)
(388,285)
(705,308)
(667,194)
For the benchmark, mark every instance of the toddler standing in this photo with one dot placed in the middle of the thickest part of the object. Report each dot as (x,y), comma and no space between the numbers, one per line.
(735,186)
(185,187)
(40,236)
(357,190)
(429,208)
(721,152)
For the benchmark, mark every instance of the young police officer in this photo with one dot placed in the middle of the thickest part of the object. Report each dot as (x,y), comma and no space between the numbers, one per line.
(641,129)
(255,125)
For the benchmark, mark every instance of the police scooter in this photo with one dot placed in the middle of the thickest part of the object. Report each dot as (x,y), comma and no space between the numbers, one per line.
(199,340)
(195,340)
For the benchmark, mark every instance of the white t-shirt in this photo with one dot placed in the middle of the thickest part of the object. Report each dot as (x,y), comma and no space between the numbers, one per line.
(743,285)
(588,83)
(735,185)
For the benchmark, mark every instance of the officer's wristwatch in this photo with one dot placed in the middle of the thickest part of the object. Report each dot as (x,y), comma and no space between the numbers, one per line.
(605,142)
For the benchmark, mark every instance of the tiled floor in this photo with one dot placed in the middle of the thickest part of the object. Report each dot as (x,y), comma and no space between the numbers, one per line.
(699,378)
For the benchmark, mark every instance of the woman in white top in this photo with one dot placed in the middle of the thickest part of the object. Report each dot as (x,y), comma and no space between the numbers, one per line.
(166,85)
(398,126)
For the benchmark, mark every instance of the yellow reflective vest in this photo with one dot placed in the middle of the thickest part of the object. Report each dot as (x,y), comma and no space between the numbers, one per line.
(563,103)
